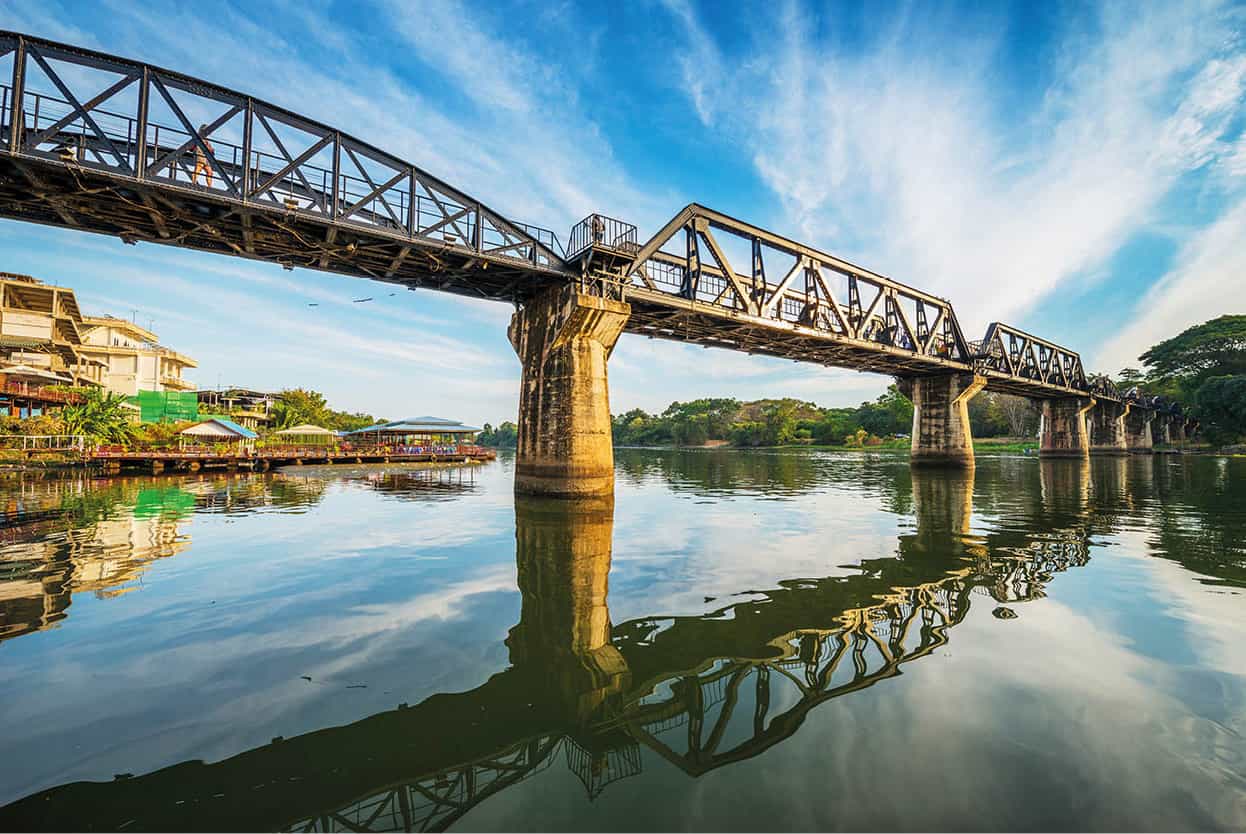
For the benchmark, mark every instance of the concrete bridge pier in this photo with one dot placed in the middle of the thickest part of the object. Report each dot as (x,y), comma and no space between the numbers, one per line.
(1108,433)
(1176,431)
(941,433)
(1138,430)
(564,339)
(1064,432)
(1159,428)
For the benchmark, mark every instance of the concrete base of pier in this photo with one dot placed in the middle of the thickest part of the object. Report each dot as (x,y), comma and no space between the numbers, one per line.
(941,433)
(1108,435)
(564,338)
(1138,430)
(1064,432)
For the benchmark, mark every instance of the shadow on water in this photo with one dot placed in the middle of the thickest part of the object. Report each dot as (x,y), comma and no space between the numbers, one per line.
(699,691)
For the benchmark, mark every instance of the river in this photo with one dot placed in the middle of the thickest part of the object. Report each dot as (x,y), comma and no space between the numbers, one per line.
(790,640)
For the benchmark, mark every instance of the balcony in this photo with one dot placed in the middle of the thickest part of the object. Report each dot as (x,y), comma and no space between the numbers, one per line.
(46,393)
(174,381)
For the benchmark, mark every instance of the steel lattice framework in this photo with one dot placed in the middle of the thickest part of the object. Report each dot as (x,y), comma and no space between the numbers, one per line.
(109,145)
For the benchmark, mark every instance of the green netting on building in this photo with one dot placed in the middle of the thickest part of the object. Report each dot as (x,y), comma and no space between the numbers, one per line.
(167,406)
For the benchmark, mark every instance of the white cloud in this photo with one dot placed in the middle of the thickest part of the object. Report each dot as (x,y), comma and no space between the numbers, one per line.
(912,151)
(1207,282)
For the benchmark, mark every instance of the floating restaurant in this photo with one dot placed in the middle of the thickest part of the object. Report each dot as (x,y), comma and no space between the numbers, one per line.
(425,433)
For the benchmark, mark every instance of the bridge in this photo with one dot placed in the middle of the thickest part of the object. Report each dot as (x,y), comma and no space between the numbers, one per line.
(104,144)
(700,692)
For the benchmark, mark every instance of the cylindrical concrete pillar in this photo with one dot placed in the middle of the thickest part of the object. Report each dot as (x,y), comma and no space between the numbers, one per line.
(564,339)
(1064,432)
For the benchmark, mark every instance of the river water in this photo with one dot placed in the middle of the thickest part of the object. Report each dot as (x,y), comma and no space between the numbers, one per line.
(790,640)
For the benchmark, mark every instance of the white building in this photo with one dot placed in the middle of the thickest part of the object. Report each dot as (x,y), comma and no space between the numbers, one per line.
(134,359)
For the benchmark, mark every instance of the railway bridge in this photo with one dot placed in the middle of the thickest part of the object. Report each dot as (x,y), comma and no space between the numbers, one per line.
(104,144)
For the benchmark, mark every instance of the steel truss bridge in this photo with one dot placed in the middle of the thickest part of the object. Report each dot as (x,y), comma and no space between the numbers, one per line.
(705,692)
(104,144)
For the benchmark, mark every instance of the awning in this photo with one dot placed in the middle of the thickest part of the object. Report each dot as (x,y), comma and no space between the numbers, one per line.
(31,370)
(306,430)
(223,429)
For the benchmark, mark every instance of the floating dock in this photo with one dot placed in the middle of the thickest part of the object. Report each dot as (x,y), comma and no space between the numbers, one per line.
(112,460)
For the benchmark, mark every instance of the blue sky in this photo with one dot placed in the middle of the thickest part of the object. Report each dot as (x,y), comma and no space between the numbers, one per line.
(1078,169)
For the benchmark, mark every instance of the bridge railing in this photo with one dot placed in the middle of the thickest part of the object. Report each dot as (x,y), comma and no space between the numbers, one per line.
(142,125)
(600,230)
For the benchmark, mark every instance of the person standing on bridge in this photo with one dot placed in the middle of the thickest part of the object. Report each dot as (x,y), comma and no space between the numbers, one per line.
(599,228)
(201,159)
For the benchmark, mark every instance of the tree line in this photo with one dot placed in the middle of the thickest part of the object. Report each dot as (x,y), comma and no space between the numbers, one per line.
(780,422)
(1204,369)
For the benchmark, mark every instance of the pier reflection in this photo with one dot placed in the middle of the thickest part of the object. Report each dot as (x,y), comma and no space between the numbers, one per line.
(702,692)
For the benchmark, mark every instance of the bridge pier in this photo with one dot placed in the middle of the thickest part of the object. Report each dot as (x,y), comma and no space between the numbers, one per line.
(1063,433)
(941,433)
(1108,434)
(1176,431)
(1138,430)
(564,339)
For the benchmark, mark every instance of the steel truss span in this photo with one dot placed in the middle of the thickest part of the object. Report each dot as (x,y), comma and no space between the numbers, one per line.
(109,145)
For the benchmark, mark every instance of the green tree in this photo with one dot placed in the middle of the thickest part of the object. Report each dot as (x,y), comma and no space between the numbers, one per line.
(1220,405)
(101,416)
(505,436)
(1213,348)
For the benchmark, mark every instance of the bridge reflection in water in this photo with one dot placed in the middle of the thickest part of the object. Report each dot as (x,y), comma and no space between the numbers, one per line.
(699,691)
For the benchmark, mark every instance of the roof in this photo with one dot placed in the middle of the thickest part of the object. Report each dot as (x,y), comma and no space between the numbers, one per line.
(420,425)
(218,427)
(29,370)
(307,429)
(121,324)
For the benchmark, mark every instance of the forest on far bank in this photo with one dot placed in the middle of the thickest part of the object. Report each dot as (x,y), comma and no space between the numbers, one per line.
(781,422)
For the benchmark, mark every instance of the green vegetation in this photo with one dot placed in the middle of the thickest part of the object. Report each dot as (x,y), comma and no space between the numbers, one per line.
(296,406)
(1203,368)
(505,436)
(101,417)
(884,422)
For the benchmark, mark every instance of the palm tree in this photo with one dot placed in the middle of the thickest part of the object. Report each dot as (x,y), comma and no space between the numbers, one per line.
(100,416)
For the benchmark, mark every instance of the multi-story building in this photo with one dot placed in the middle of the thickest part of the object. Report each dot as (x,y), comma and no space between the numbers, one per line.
(133,358)
(40,347)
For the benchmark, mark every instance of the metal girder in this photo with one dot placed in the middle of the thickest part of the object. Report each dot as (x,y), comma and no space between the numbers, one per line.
(247,152)
(805,297)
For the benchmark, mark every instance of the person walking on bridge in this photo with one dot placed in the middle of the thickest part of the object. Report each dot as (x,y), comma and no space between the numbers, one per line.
(201,159)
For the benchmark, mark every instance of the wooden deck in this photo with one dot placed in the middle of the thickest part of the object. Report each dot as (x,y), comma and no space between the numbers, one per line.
(192,459)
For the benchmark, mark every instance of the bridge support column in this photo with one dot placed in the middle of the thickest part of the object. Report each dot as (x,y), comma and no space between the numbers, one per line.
(1138,430)
(941,434)
(1107,428)
(1063,433)
(1176,431)
(1159,429)
(564,338)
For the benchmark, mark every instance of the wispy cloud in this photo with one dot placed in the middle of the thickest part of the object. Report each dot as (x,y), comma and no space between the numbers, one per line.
(1208,282)
(914,155)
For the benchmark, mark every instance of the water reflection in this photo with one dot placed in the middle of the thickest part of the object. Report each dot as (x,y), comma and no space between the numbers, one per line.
(701,692)
(61,536)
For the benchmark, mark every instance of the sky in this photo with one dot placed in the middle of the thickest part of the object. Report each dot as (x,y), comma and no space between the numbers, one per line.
(1074,169)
